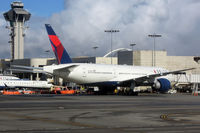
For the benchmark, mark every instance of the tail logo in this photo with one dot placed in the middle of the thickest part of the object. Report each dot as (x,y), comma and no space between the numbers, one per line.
(61,54)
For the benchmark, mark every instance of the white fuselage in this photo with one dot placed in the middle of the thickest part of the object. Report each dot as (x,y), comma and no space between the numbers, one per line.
(97,73)
(24,84)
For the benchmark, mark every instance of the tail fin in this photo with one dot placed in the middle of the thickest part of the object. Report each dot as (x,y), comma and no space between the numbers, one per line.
(61,54)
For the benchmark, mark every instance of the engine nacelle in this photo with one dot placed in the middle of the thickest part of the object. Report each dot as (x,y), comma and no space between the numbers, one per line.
(162,85)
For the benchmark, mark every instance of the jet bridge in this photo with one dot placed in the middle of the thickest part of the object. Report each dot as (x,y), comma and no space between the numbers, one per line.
(196,86)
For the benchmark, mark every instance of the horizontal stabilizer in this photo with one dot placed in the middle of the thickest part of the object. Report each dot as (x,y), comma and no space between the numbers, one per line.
(26,67)
(30,71)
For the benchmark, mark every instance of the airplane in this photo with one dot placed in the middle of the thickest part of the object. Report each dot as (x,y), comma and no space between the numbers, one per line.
(106,77)
(19,83)
(11,81)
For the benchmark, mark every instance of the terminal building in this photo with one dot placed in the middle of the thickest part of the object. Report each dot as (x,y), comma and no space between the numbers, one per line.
(144,58)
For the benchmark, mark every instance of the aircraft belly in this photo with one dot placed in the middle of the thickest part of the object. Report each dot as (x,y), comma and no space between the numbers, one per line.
(88,79)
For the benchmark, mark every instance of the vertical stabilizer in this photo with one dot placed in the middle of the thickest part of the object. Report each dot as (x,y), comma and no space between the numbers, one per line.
(61,54)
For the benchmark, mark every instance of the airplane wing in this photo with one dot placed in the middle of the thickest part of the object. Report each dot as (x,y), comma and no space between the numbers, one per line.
(142,79)
(182,71)
(6,86)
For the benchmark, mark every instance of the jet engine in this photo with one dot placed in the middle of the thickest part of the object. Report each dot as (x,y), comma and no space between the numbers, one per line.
(162,85)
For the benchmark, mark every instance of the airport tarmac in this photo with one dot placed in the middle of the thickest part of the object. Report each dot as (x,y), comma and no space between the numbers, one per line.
(145,113)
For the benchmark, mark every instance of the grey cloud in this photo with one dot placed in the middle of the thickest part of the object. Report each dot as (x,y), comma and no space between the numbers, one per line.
(4,38)
(81,26)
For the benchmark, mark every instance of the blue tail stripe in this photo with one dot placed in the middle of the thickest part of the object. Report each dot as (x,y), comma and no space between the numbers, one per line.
(65,58)
(49,30)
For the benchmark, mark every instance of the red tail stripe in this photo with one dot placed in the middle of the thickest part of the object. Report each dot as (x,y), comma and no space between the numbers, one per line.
(56,42)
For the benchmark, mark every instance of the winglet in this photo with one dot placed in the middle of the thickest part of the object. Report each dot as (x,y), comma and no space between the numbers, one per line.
(61,54)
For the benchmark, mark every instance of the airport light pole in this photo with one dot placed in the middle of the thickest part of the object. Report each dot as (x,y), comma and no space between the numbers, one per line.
(154,47)
(95,47)
(48,52)
(111,32)
(132,45)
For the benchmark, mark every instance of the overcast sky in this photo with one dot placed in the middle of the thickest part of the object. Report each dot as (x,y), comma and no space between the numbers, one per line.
(80,24)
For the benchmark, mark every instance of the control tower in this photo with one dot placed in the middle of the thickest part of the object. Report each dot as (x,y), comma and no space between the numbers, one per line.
(17,16)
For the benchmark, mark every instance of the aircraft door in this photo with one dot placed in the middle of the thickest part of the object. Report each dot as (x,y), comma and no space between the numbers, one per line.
(115,73)
(84,72)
